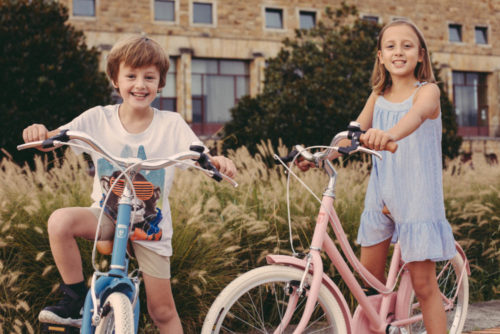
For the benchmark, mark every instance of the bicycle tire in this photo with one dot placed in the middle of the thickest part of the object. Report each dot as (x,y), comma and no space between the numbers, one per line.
(448,273)
(119,317)
(234,312)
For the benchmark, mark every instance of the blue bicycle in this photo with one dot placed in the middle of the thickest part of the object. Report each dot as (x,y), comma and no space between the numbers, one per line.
(112,303)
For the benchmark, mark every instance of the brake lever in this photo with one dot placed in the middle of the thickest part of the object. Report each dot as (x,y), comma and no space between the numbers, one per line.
(367,150)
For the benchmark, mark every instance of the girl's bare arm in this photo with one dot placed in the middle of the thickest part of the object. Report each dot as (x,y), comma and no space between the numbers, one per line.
(425,106)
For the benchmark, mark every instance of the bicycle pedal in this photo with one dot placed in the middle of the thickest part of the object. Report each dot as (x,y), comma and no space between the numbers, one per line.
(57,328)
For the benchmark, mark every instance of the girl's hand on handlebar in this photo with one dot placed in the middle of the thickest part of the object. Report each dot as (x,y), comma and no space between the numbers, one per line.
(304,164)
(377,139)
(224,165)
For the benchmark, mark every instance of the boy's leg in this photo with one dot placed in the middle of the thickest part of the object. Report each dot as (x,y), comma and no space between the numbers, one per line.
(374,258)
(161,305)
(423,279)
(155,270)
(64,226)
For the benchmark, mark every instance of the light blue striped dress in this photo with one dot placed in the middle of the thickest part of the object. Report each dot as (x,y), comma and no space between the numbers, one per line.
(409,182)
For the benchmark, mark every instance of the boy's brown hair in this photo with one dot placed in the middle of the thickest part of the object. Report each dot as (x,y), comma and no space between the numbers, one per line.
(138,51)
(381,79)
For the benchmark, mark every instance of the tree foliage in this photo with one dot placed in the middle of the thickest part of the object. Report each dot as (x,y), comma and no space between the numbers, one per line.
(49,75)
(314,87)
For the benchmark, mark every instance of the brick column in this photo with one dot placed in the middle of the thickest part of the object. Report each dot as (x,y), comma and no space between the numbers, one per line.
(257,67)
(494,103)
(184,105)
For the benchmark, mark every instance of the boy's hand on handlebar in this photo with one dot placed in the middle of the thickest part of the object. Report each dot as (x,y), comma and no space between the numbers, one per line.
(35,132)
(224,165)
(377,139)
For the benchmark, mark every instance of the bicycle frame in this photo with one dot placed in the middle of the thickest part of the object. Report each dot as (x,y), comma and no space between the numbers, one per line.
(372,314)
(117,278)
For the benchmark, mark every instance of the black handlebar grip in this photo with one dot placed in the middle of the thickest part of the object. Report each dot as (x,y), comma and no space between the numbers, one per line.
(205,163)
(288,158)
(61,136)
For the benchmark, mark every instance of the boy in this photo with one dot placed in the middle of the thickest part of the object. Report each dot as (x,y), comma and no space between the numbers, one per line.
(137,68)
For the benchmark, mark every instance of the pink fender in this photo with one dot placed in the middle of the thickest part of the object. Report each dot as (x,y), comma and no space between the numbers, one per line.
(301,264)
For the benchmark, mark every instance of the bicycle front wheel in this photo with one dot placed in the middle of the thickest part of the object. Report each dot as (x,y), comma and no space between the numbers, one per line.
(454,286)
(257,302)
(118,317)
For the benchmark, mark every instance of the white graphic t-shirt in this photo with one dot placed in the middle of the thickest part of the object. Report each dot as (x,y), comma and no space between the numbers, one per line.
(167,134)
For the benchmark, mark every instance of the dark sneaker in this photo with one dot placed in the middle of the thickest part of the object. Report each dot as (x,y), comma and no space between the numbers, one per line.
(68,311)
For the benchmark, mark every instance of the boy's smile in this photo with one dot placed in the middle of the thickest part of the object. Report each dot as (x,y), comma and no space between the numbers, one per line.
(137,86)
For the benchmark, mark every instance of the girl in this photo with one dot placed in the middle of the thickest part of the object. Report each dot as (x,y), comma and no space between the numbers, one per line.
(404,107)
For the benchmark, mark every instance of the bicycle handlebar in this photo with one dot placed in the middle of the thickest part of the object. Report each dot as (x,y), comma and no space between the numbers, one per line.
(354,133)
(196,153)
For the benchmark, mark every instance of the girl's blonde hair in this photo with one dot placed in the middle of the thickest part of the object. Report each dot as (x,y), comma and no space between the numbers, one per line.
(138,51)
(381,79)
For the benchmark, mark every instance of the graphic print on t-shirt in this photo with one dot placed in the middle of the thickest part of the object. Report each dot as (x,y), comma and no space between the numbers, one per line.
(148,187)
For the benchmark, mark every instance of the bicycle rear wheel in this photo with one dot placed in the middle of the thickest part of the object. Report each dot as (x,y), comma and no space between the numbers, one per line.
(454,285)
(257,301)
(118,316)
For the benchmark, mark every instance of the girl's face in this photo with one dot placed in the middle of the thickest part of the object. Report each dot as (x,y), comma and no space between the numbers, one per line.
(400,51)
(137,86)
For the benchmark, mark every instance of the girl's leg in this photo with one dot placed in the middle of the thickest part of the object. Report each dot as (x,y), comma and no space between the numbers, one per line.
(374,258)
(64,226)
(161,305)
(423,278)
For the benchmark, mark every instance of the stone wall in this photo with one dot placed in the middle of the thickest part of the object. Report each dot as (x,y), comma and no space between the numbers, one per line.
(238,32)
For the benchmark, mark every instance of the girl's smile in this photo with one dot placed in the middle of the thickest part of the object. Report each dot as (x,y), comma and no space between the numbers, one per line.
(400,50)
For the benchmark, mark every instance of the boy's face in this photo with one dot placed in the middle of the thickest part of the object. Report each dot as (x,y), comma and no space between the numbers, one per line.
(137,86)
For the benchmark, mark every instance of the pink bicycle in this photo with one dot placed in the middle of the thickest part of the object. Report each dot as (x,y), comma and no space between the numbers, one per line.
(293,295)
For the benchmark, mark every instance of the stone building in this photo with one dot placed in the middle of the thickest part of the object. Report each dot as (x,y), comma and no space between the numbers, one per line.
(218,48)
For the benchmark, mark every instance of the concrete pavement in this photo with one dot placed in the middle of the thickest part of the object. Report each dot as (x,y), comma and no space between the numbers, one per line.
(483,317)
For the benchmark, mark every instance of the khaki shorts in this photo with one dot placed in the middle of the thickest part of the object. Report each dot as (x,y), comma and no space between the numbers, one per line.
(150,263)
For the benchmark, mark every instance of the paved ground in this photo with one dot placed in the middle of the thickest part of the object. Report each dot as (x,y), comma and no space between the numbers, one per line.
(483,318)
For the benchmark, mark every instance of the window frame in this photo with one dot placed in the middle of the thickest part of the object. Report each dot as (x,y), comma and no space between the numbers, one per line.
(176,13)
(460,32)
(485,30)
(200,24)
(309,11)
(368,18)
(204,127)
(264,21)
(83,17)
(478,129)
(172,70)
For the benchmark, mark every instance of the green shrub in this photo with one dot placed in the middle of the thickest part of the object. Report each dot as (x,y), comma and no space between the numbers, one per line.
(219,231)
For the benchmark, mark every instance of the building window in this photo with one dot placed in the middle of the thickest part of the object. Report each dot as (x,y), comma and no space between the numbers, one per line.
(216,86)
(167,99)
(481,34)
(455,32)
(83,8)
(202,13)
(307,19)
(274,18)
(370,18)
(164,10)
(471,103)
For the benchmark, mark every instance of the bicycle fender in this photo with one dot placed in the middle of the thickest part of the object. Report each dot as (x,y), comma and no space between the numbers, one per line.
(334,289)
